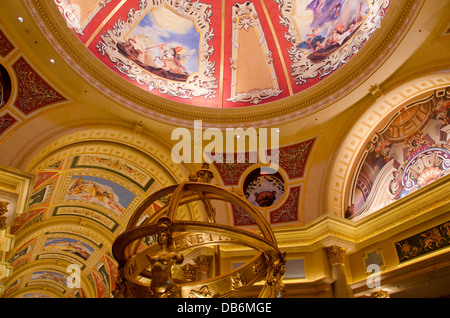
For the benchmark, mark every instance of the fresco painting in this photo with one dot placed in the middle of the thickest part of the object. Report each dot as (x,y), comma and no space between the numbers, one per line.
(325,25)
(99,191)
(326,34)
(121,167)
(175,48)
(164,44)
(64,244)
(36,295)
(49,275)
(410,153)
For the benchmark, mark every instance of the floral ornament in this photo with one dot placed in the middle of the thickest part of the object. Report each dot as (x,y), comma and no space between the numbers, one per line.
(415,142)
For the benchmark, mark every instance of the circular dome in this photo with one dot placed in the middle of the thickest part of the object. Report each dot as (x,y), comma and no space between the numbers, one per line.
(218,56)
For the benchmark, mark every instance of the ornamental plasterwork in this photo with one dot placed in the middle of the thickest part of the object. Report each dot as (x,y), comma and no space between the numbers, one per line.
(245,19)
(34,92)
(6,121)
(73,16)
(176,82)
(338,46)
(362,130)
(5,45)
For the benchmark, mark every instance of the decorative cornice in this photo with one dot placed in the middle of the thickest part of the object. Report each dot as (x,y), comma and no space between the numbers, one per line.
(422,205)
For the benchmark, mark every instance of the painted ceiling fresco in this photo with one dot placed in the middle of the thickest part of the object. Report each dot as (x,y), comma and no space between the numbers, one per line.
(412,151)
(81,203)
(223,54)
(277,194)
(77,207)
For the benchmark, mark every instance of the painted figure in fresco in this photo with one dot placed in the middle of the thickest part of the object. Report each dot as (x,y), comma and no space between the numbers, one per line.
(325,11)
(162,284)
(92,191)
(313,40)
(172,59)
(129,50)
(337,19)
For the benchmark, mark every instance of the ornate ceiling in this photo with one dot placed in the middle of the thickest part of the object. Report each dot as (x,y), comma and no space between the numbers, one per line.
(157,57)
(90,107)
(223,54)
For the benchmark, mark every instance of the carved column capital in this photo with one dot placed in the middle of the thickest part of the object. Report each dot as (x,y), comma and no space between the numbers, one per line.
(335,254)
(203,263)
(189,271)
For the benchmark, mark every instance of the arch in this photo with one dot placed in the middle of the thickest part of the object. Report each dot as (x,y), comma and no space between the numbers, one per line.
(124,163)
(352,146)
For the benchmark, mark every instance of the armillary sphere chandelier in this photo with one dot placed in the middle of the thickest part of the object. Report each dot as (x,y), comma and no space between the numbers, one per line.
(148,272)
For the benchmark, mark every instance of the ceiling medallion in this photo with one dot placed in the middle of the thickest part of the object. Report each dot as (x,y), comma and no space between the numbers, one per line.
(264,187)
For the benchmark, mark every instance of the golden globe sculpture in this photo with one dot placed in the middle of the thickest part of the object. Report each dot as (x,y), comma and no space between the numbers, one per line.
(147,273)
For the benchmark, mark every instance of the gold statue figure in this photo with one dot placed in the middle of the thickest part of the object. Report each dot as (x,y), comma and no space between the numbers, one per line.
(274,287)
(162,284)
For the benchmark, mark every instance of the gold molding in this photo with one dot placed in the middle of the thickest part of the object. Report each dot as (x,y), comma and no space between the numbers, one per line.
(420,206)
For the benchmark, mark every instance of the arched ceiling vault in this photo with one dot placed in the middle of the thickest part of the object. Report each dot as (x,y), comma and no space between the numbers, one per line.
(88,182)
(377,116)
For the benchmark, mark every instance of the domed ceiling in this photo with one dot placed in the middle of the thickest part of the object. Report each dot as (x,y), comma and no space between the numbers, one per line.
(223,54)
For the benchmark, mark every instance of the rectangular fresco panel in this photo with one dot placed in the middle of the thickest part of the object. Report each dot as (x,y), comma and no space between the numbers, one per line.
(91,214)
(99,191)
(64,244)
(112,164)
(49,275)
